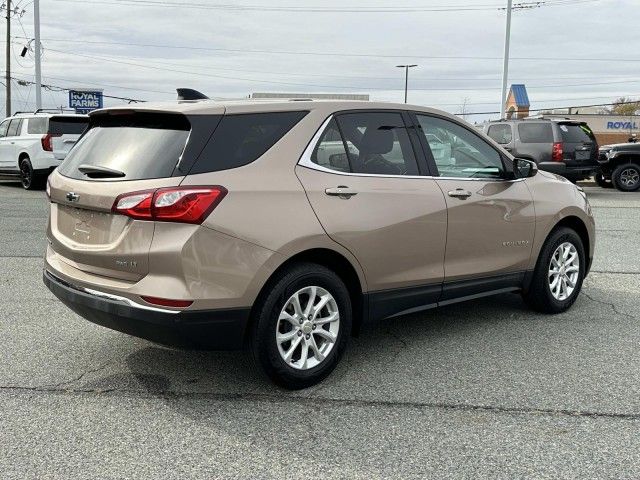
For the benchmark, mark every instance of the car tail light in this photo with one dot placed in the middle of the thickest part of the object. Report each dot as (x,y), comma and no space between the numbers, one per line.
(174,204)
(167,302)
(47,144)
(556,152)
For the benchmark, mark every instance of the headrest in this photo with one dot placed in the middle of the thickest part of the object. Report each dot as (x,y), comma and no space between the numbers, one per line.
(377,140)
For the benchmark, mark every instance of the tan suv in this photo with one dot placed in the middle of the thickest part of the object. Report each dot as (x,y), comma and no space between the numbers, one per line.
(285,226)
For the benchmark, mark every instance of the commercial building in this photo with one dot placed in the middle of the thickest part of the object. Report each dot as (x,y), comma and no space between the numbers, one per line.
(314,96)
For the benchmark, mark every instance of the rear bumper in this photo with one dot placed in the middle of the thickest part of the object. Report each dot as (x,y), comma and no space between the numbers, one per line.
(208,329)
(561,168)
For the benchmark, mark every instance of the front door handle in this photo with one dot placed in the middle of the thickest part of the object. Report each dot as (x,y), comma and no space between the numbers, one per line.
(341,191)
(460,193)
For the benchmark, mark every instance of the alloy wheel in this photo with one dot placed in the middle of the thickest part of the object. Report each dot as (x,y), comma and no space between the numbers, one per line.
(564,271)
(26,175)
(307,327)
(629,177)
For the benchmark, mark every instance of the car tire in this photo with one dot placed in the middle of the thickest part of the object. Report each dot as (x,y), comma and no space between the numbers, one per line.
(557,255)
(284,330)
(29,178)
(602,181)
(626,177)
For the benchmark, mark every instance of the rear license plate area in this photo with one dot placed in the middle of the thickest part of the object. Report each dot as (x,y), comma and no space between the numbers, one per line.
(583,155)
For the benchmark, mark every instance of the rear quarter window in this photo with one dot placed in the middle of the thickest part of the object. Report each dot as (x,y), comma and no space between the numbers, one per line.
(535,133)
(243,138)
(37,125)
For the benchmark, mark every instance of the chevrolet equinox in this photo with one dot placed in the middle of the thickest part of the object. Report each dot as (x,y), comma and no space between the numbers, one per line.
(285,226)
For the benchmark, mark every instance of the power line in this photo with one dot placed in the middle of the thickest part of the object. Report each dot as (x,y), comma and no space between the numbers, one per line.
(126,61)
(340,54)
(523,5)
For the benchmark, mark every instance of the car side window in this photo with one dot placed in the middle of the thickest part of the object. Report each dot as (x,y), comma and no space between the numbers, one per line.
(535,132)
(330,151)
(37,125)
(501,133)
(3,128)
(378,143)
(14,127)
(459,152)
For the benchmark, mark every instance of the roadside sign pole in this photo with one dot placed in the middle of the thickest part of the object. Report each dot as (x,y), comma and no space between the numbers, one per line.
(505,64)
(36,29)
(8,58)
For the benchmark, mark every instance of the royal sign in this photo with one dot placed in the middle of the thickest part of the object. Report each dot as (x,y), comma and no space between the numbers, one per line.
(622,126)
(84,101)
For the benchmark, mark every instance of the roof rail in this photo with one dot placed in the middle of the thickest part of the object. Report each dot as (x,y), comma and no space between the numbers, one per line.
(547,117)
(54,110)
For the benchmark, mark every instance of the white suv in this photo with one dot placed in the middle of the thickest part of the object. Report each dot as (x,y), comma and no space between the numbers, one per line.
(33,144)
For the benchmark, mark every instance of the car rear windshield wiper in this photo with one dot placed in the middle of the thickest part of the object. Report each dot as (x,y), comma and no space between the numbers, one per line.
(96,171)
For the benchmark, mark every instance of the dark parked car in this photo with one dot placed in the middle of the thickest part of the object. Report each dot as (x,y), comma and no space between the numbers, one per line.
(620,166)
(557,145)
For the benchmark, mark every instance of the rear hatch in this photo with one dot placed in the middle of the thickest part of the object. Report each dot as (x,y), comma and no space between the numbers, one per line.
(64,132)
(121,152)
(579,145)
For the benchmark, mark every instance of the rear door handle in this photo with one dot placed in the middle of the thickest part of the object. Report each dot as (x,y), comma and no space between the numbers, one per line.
(341,191)
(459,193)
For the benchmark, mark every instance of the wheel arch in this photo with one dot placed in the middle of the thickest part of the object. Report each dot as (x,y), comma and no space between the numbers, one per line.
(576,224)
(334,261)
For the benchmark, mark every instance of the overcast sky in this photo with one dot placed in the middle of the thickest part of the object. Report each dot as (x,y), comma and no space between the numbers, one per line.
(123,46)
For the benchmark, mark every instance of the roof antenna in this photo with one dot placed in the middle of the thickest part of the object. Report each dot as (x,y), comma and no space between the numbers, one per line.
(190,94)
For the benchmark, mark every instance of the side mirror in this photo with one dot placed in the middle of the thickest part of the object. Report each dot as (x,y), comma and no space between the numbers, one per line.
(523,168)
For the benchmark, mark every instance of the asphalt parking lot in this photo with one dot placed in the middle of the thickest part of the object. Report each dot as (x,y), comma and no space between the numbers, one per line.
(481,389)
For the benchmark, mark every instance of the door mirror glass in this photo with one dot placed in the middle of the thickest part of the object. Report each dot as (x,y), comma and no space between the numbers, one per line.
(523,168)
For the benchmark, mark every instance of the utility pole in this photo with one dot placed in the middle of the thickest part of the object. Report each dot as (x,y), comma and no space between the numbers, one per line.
(36,30)
(8,58)
(406,78)
(505,64)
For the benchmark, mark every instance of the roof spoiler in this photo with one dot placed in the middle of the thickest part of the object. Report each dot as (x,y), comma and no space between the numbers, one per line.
(190,94)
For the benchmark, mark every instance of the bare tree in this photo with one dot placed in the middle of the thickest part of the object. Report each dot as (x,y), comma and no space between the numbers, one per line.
(463,108)
(624,106)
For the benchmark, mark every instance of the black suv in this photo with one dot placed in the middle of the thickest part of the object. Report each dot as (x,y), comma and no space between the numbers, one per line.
(620,166)
(558,145)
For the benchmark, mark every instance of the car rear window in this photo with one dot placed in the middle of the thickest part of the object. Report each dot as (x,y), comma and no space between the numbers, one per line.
(242,138)
(535,133)
(68,125)
(140,145)
(576,133)
(37,125)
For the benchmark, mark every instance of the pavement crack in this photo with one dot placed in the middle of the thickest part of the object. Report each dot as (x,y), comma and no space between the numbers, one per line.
(610,304)
(59,386)
(318,402)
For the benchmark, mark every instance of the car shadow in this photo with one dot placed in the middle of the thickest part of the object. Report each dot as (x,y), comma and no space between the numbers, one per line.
(161,371)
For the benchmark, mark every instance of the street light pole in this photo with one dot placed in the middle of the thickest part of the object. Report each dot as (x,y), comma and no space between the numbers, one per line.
(36,30)
(406,78)
(505,64)
(8,58)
